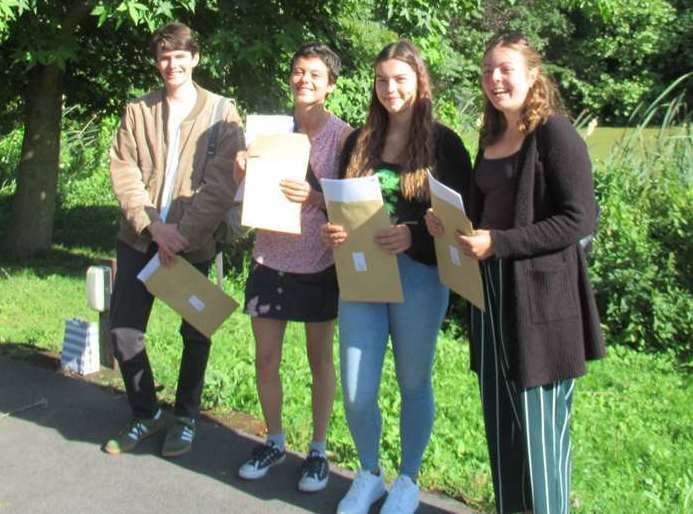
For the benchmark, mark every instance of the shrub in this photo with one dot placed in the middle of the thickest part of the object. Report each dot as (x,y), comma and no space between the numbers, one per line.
(10,146)
(642,258)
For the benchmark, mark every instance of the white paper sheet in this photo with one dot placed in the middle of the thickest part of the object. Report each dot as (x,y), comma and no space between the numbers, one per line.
(266,125)
(263,125)
(445,193)
(347,190)
(149,268)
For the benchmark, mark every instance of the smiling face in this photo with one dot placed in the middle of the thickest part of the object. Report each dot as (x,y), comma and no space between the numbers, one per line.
(310,81)
(507,79)
(395,85)
(176,67)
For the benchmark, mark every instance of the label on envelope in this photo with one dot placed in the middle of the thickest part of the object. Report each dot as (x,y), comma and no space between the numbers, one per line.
(359,261)
(197,304)
(455,255)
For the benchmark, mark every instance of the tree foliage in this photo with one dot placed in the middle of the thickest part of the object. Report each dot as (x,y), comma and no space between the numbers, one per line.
(44,44)
(91,55)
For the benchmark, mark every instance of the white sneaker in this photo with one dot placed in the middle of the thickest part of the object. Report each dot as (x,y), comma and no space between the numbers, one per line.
(264,457)
(366,489)
(403,497)
(315,471)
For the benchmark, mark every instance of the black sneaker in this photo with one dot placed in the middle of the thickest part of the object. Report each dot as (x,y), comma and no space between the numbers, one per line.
(179,437)
(264,457)
(136,431)
(314,473)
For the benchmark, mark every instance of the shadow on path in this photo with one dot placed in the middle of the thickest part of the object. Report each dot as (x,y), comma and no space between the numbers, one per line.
(51,429)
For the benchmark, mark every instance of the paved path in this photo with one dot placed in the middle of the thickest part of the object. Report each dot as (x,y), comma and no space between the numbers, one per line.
(51,428)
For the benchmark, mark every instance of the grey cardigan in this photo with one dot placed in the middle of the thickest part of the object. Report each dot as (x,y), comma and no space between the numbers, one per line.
(555,322)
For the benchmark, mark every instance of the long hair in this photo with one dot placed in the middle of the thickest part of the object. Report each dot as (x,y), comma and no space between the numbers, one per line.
(420,155)
(543,98)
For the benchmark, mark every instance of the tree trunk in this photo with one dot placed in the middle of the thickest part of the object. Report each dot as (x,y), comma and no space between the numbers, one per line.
(33,209)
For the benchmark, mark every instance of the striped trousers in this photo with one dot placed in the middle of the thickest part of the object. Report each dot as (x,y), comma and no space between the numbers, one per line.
(527,430)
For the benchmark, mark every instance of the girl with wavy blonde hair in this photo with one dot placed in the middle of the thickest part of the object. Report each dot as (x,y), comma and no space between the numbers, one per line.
(543,98)
(399,144)
(532,199)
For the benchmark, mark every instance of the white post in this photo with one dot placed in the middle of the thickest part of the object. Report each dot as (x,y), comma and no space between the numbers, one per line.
(99,287)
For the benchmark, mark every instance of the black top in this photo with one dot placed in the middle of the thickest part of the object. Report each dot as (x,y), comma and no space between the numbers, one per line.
(452,167)
(496,180)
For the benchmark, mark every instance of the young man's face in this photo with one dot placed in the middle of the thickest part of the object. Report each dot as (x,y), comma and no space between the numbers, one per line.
(176,67)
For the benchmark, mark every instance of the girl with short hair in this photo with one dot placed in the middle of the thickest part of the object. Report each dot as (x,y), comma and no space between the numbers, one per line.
(292,277)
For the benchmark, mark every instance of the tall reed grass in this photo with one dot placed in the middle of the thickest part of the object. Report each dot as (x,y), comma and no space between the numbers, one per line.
(643,254)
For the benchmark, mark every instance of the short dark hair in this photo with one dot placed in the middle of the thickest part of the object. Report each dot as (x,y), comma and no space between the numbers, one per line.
(174,36)
(325,54)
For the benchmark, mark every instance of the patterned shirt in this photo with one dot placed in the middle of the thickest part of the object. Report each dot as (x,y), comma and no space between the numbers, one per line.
(304,252)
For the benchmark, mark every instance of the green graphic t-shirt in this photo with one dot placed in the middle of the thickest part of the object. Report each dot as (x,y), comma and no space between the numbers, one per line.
(389,183)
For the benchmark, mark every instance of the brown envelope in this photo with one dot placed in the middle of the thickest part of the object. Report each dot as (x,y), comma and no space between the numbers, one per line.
(457,271)
(364,271)
(188,292)
(272,158)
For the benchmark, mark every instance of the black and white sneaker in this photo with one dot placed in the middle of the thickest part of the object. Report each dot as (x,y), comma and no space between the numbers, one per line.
(314,473)
(264,457)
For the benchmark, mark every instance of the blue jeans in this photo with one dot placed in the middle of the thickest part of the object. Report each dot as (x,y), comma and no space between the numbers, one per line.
(413,327)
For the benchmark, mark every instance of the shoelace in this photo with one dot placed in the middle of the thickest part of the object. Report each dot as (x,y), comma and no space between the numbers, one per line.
(264,454)
(314,464)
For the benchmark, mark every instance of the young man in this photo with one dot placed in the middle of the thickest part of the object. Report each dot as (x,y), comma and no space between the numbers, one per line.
(172,197)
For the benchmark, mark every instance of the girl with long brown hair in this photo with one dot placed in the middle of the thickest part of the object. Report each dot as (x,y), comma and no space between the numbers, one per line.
(400,143)
(533,200)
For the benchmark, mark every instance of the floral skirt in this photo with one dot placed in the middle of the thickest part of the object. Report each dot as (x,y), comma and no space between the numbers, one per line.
(307,297)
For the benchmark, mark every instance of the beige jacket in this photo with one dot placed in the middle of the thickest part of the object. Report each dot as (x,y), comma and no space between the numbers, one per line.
(202,193)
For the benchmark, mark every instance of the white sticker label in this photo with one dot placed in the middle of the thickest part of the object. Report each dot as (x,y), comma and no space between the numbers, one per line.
(359,261)
(455,255)
(197,304)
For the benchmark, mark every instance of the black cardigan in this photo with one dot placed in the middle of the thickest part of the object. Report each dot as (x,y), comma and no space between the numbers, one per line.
(452,167)
(555,324)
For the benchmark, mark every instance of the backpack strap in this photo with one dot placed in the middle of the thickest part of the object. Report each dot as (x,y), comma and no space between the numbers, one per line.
(212,141)
(214,125)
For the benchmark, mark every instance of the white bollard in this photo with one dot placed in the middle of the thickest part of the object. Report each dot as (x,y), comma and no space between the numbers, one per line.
(99,287)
